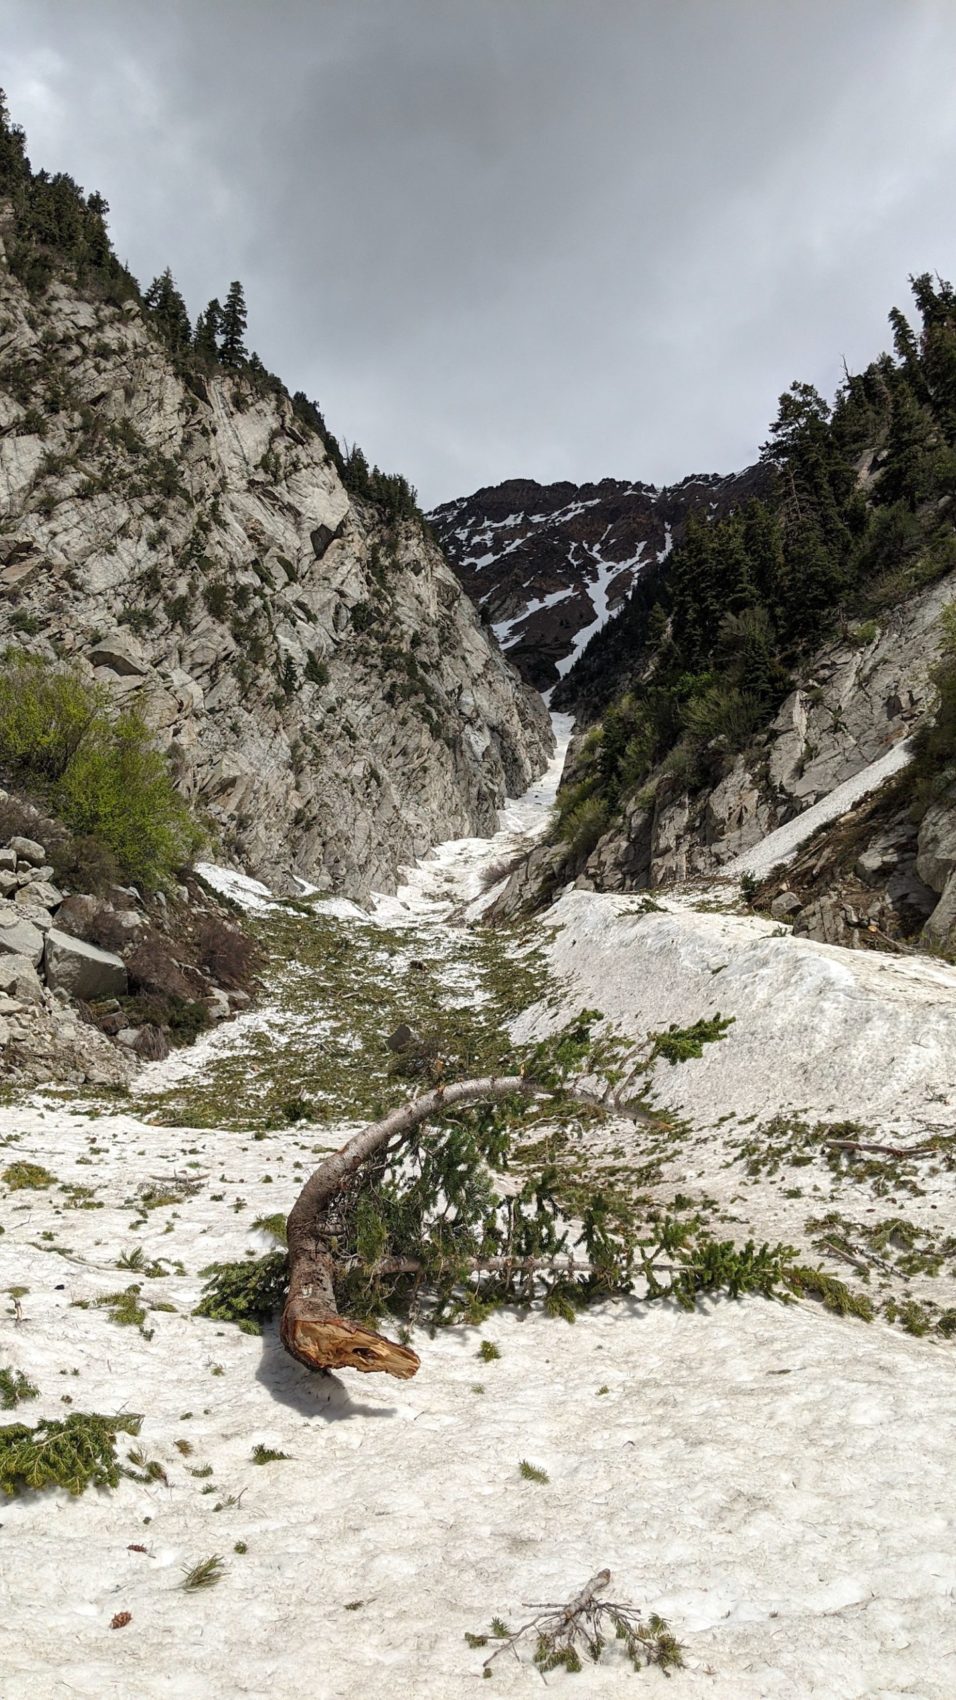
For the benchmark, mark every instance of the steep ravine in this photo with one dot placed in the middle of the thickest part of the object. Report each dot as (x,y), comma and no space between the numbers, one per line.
(326,691)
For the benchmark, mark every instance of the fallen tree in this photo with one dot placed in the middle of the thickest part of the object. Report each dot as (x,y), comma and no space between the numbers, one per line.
(312,1329)
(457,1201)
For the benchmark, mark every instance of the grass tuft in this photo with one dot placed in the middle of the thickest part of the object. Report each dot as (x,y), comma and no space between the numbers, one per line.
(205,1574)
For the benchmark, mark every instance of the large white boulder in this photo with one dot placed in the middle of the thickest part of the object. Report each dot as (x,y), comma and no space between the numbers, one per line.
(81,969)
(18,935)
(19,979)
(28,850)
(41,892)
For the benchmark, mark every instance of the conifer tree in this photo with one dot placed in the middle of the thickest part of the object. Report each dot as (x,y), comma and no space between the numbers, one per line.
(764,545)
(208,326)
(14,165)
(232,349)
(168,308)
(907,471)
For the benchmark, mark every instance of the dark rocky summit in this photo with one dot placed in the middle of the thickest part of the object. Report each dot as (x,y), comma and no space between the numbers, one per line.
(549,564)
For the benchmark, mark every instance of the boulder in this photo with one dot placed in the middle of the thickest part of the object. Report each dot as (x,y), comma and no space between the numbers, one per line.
(28,850)
(76,913)
(8,882)
(40,892)
(131,922)
(785,904)
(19,979)
(121,654)
(940,929)
(8,860)
(81,969)
(18,935)
(936,854)
(32,912)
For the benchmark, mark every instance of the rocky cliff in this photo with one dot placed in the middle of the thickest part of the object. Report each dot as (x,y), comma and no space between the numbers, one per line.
(882,871)
(550,564)
(327,693)
(855,698)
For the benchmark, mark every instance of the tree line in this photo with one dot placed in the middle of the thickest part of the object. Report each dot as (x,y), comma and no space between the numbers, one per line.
(57,223)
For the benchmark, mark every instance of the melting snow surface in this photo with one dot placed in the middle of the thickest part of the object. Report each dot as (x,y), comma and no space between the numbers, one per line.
(776,1481)
(598,588)
(780,845)
(247,892)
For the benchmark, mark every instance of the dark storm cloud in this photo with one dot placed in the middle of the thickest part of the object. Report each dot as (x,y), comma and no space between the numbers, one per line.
(562,238)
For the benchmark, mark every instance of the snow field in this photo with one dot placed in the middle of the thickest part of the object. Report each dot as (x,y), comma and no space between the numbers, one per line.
(774,1480)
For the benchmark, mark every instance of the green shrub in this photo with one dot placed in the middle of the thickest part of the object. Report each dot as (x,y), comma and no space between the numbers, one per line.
(103,777)
(316,670)
(584,824)
(45,714)
(14,1386)
(216,598)
(724,712)
(20,1175)
(680,1044)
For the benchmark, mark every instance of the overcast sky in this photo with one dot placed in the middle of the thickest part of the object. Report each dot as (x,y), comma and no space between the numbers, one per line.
(492,238)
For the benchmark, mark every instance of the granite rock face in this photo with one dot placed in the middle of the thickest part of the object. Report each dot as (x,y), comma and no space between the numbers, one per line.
(327,693)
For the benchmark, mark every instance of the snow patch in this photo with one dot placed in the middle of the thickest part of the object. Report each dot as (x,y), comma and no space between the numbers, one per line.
(781,845)
(247,892)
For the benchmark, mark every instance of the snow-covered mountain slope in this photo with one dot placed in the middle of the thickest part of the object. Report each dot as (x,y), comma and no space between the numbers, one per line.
(775,1480)
(549,564)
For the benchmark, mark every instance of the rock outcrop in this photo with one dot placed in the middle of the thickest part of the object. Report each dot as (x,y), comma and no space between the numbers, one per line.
(326,691)
(93,983)
(854,702)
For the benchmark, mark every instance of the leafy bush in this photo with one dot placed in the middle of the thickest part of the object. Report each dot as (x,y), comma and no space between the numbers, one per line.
(44,716)
(117,788)
(103,777)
